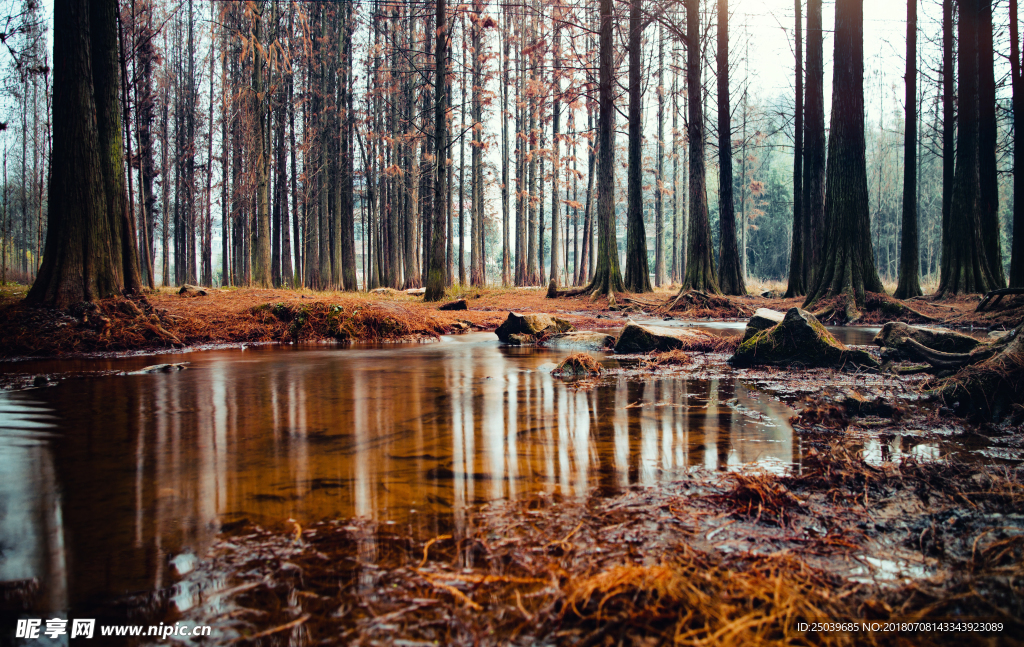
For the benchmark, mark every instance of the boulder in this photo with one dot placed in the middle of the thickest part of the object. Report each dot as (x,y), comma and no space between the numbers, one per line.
(637,338)
(894,335)
(459,304)
(416,292)
(763,319)
(192,291)
(799,339)
(584,340)
(532,325)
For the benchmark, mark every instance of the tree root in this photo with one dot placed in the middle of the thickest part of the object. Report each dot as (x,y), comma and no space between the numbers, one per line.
(703,304)
(938,359)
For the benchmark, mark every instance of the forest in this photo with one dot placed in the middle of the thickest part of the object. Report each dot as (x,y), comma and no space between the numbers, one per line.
(295,144)
(626,322)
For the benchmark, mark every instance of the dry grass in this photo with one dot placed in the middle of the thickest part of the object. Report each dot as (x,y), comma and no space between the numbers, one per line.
(579,365)
(637,568)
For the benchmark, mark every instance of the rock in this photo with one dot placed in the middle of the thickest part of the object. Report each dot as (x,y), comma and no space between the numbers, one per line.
(192,291)
(636,338)
(459,304)
(799,339)
(520,339)
(382,291)
(763,319)
(416,292)
(534,325)
(584,340)
(461,326)
(894,335)
(40,381)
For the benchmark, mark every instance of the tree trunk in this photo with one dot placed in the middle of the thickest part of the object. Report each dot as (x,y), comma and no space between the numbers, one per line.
(1017,249)
(813,201)
(82,257)
(988,170)
(659,183)
(436,273)
(700,266)
(636,278)
(910,284)
(847,266)
(965,268)
(506,249)
(556,109)
(730,271)
(261,258)
(948,121)
(606,279)
(797,260)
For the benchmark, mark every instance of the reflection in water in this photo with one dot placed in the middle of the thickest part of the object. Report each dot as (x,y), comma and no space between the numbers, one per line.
(150,466)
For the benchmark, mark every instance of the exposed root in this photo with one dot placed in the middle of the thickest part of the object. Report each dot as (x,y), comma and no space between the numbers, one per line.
(701,304)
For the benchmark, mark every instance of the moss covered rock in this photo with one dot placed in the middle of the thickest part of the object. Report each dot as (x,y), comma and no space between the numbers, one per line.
(763,319)
(534,325)
(799,339)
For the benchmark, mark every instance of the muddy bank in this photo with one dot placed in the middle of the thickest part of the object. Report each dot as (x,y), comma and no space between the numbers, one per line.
(165,319)
(869,526)
(741,558)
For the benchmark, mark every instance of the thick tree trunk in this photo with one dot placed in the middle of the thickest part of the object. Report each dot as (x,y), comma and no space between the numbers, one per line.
(965,268)
(82,259)
(700,266)
(636,278)
(910,284)
(948,120)
(797,260)
(436,272)
(606,279)
(347,204)
(107,87)
(988,170)
(730,271)
(847,266)
(1017,249)
(813,203)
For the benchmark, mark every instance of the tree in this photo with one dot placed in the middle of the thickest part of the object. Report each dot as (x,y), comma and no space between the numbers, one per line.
(556,109)
(607,279)
(988,170)
(965,268)
(910,285)
(797,258)
(637,279)
(812,203)
(847,263)
(1017,249)
(700,266)
(84,257)
(730,271)
(437,274)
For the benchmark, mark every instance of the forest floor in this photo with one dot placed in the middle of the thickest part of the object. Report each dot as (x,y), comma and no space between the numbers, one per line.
(869,533)
(164,320)
(872,525)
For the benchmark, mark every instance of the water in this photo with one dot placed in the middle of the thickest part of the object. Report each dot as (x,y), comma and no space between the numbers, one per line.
(110,485)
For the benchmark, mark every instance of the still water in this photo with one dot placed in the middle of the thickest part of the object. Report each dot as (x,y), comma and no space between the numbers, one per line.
(106,481)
